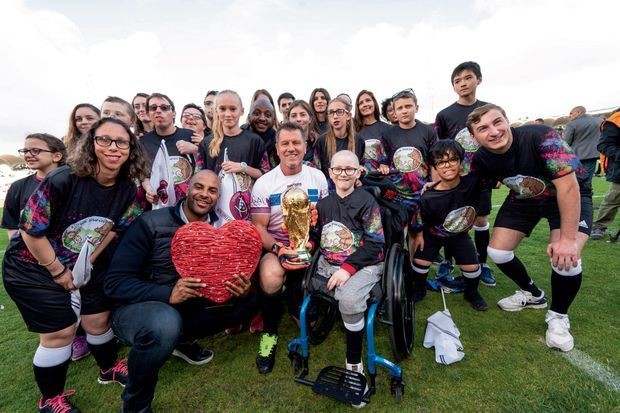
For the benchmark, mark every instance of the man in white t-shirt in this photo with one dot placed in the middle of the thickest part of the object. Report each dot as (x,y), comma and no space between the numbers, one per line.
(267,217)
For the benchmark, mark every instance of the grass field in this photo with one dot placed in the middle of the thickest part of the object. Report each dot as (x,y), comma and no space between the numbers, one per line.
(507,366)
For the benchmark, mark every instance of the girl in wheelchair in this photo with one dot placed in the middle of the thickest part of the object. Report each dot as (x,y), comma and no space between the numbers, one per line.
(351,250)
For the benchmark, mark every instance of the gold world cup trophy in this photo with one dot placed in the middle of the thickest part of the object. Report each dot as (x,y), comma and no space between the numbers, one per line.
(296,213)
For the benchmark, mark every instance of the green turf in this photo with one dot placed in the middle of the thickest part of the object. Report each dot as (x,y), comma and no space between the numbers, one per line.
(507,366)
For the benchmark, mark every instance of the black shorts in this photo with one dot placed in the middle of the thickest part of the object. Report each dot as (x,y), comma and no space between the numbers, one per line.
(523,216)
(44,305)
(484,205)
(460,246)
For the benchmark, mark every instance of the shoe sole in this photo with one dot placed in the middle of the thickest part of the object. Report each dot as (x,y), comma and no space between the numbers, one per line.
(521,308)
(190,361)
(80,357)
(488,284)
(101,381)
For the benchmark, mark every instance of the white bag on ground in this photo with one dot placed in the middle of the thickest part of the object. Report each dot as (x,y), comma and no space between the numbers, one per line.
(442,333)
(162,178)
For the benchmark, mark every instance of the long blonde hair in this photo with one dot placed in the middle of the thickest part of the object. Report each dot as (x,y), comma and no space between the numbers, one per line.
(330,139)
(218,128)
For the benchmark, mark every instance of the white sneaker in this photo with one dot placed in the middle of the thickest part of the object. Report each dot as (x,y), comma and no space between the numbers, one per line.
(558,332)
(522,299)
(359,367)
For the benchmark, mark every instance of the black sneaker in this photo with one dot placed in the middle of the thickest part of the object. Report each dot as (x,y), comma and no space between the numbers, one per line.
(192,353)
(58,404)
(266,357)
(475,299)
(115,374)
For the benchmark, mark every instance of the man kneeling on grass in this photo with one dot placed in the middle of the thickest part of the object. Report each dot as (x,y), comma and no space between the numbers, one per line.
(546,180)
(159,313)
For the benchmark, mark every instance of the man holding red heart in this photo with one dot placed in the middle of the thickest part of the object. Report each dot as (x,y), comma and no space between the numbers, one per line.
(159,313)
(267,217)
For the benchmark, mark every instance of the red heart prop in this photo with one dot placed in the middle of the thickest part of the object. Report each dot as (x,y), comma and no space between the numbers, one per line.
(214,255)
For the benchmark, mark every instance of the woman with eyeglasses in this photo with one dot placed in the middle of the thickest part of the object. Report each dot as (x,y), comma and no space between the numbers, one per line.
(82,117)
(371,128)
(90,200)
(319,98)
(193,117)
(143,122)
(301,113)
(340,136)
(231,150)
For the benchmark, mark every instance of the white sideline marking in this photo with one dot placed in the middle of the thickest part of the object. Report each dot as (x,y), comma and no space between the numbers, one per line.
(593,369)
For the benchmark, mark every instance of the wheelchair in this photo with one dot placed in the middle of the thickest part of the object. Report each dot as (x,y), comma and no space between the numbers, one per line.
(390,303)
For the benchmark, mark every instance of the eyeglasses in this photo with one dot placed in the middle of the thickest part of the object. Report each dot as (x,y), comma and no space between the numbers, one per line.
(446,163)
(164,108)
(339,112)
(194,116)
(33,151)
(107,141)
(347,171)
(407,93)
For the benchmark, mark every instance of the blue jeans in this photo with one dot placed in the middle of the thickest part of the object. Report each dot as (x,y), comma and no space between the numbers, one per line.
(590,166)
(152,330)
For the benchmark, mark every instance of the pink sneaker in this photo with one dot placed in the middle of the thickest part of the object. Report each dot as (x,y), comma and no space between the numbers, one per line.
(58,404)
(79,348)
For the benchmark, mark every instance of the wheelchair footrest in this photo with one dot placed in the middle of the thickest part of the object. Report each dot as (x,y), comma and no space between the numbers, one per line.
(341,384)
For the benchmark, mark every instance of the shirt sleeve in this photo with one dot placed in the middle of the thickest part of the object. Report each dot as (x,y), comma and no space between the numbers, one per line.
(36,217)
(558,158)
(10,213)
(260,198)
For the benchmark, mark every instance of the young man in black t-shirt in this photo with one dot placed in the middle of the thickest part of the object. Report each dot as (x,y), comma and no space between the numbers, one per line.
(450,124)
(546,180)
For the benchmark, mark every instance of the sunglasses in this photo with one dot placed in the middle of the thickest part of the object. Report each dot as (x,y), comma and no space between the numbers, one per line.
(164,108)
(406,93)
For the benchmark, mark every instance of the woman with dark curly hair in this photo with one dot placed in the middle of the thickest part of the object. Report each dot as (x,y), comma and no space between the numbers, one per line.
(88,202)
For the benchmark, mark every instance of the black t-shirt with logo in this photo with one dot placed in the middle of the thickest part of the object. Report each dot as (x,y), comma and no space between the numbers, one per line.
(408,151)
(374,153)
(537,156)
(16,198)
(245,147)
(67,209)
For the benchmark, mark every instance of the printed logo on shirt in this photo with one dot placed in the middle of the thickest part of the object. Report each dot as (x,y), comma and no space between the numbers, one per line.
(460,220)
(466,140)
(337,238)
(525,186)
(372,149)
(181,169)
(408,159)
(75,235)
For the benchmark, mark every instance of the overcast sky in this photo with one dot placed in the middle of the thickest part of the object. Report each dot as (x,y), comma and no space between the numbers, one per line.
(538,58)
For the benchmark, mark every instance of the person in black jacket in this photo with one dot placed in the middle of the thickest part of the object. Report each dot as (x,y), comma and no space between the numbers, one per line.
(159,313)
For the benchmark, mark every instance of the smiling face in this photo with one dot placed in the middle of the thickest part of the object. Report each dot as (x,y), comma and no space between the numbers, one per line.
(344,162)
(261,118)
(44,161)
(366,105)
(291,148)
(448,167)
(110,159)
(84,118)
(202,195)
(191,118)
(493,132)
(139,106)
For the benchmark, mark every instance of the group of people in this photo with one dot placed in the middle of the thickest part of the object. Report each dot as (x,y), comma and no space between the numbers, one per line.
(95,190)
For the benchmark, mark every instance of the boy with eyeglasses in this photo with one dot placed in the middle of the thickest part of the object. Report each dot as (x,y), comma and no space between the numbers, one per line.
(181,150)
(448,211)
(450,124)
(351,250)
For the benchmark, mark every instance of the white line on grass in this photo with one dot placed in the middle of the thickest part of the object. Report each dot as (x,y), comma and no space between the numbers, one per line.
(593,369)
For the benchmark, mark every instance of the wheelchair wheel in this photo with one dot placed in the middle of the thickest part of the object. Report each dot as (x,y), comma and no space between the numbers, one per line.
(322,314)
(399,304)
